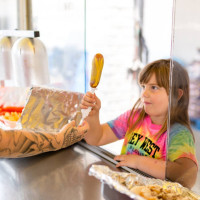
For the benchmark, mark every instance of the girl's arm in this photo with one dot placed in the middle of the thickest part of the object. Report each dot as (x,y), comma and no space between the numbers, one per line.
(182,170)
(21,143)
(97,134)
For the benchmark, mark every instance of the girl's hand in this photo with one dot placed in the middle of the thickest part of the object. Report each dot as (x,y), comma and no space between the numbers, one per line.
(91,100)
(127,160)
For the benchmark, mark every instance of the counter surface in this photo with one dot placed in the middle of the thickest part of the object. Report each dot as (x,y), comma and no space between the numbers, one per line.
(55,176)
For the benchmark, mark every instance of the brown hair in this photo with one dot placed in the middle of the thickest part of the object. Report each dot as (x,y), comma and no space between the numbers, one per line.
(179,105)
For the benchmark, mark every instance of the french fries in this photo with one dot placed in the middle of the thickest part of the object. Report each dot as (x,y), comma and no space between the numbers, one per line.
(12,116)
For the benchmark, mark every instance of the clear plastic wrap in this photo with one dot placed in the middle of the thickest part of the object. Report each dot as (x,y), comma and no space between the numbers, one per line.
(49,109)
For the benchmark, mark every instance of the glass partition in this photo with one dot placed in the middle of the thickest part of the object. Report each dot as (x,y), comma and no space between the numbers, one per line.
(61,26)
(184,128)
(129,34)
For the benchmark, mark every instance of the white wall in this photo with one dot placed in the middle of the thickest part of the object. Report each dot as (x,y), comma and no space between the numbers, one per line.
(8,14)
(187,29)
(157,27)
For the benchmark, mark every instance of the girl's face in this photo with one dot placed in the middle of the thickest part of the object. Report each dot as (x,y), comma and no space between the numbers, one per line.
(155,100)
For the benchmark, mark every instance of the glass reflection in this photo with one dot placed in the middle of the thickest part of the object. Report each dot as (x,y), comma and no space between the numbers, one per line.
(183,139)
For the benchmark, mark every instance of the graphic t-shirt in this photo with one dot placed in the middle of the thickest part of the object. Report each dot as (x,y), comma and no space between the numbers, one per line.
(143,141)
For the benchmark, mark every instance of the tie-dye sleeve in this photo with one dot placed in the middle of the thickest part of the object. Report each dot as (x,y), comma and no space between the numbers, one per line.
(181,144)
(119,125)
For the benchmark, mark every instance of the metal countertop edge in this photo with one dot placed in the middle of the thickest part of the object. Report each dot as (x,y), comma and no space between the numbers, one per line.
(110,157)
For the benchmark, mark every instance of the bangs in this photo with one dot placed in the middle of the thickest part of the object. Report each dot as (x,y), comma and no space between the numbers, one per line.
(145,76)
(161,71)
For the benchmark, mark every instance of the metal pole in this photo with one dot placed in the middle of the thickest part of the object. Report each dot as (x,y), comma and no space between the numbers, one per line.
(24,12)
(85,48)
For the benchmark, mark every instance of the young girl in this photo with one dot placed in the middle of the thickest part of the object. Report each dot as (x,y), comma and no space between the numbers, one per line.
(144,128)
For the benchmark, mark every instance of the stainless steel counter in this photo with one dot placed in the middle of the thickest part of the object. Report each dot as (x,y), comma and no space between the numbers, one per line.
(55,176)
